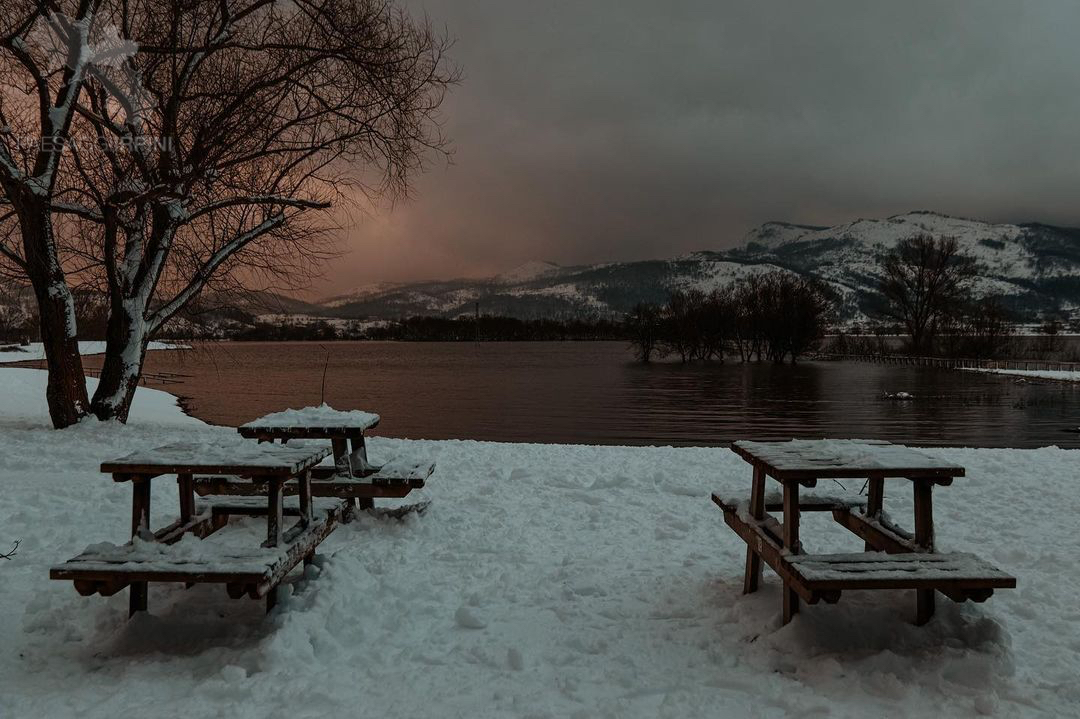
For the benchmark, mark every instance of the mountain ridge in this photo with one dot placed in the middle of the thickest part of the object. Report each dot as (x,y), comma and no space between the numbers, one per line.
(1034,267)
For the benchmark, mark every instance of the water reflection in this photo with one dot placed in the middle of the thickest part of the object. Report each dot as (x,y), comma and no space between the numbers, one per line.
(594,393)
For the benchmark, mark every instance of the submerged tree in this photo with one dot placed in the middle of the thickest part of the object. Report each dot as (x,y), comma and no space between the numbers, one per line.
(775,316)
(924,279)
(982,329)
(643,325)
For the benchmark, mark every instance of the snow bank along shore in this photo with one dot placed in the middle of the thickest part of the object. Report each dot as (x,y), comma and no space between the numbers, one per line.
(543,581)
(1060,375)
(36,351)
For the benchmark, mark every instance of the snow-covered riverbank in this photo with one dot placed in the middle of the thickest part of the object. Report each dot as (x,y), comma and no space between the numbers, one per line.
(544,580)
(1059,375)
(36,351)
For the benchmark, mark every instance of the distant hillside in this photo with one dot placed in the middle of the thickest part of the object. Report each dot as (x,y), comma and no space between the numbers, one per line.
(1034,267)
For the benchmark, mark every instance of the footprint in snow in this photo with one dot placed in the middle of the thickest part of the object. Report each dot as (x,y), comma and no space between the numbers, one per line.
(467,619)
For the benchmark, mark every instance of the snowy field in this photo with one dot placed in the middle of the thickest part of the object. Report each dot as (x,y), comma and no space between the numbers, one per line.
(544,581)
(36,351)
(1060,375)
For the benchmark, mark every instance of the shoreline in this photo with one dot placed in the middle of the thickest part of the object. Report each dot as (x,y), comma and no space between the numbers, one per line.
(533,563)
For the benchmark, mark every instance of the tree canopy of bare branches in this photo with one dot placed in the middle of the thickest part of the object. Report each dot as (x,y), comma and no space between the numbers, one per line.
(210,154)
(924,279)
(774,316)
(40,83)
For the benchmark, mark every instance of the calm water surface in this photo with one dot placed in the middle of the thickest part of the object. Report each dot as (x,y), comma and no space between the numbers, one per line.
(592,392)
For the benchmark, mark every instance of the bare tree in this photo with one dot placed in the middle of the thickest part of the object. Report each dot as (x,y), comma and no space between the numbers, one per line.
(776,315)
(214,151)
(923,280)
(982,329)
(643,324)
(682,323)
(45,59)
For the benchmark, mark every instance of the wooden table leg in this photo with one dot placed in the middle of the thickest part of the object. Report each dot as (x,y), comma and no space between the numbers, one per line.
(140,527)
(304,482)
(358,453)
(274,511)
(874,500)
(341,456)
(358,462)
(791,543)
(752,577)
(186,486)
(924,537)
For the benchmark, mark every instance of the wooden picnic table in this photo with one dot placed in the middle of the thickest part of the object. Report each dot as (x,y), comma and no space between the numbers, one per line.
(893,558)
(254,571)
(344,429)
(353,477)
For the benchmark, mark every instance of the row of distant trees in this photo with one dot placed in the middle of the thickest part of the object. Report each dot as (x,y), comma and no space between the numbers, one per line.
(490,328)
(772,316)
(924,294)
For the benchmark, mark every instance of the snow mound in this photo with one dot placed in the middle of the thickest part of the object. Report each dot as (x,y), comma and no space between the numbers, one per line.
(22,402)
(322,416)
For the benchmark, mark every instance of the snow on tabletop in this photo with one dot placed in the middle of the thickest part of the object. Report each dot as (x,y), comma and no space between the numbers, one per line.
(323,416)
(850,454)
(230,452)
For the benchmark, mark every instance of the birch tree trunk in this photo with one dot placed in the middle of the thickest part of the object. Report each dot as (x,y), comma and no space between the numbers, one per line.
(65,392)
(125,350)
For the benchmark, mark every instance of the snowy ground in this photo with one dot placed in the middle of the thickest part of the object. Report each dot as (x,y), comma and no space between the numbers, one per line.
(544,581)
(1061,375)
(36,351)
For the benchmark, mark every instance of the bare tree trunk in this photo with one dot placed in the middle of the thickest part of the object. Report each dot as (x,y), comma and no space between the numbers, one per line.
(66,389)
(125,349)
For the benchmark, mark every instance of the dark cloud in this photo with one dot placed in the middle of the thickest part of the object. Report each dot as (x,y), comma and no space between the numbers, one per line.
(610,130)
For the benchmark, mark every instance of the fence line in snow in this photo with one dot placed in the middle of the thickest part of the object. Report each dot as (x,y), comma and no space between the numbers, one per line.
(954,362)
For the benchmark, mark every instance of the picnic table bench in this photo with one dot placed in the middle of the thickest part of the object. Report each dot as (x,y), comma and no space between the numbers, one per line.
(352,477)
(893,558)
(235,559)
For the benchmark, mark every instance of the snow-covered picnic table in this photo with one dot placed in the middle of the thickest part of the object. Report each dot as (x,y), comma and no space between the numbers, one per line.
(164,555)
(812,577)
(322,422)
(353,476)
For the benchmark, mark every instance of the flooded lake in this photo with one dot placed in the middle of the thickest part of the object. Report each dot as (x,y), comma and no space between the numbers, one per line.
(593,392)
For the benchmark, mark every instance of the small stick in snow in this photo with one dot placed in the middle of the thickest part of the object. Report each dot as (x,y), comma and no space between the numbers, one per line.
(326,363)
(10,554)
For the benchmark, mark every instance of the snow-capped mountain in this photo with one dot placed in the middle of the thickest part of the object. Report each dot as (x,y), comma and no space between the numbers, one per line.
(1034,268)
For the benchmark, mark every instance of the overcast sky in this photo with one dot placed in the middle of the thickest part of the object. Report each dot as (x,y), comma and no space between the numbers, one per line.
(596,130)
